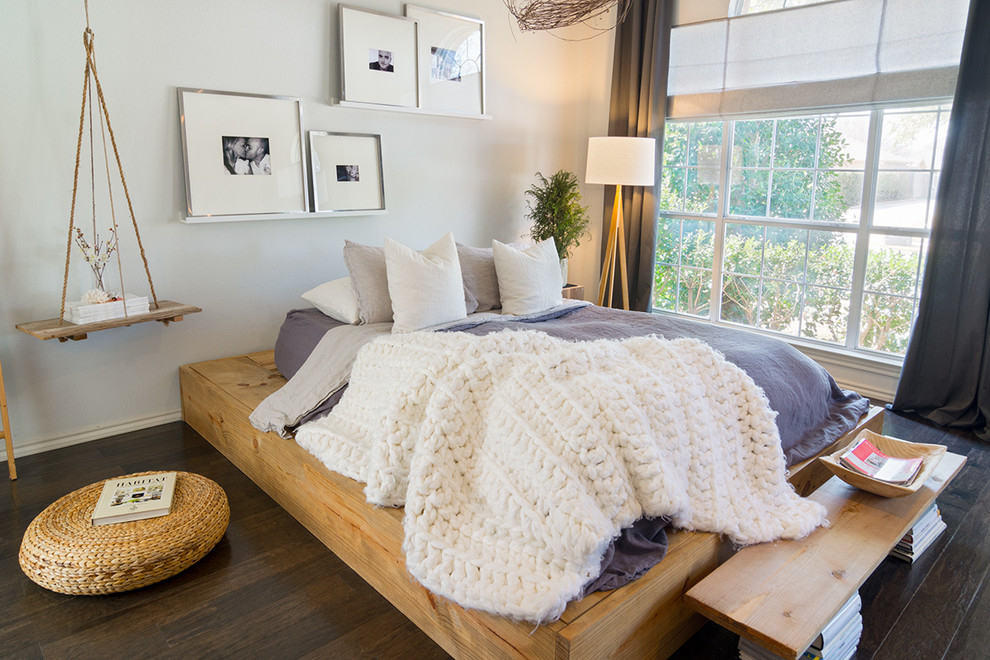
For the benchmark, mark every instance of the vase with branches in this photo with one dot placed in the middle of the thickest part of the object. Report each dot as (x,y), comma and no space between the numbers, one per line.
(97,255)
(556,211)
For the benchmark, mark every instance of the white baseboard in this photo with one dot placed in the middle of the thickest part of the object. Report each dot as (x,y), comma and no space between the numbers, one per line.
(95,433)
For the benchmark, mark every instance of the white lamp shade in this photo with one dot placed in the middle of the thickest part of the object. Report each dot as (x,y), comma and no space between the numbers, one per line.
(627,161)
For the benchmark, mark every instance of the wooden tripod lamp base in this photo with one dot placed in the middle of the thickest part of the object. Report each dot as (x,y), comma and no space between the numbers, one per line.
(616,246)
(619,161)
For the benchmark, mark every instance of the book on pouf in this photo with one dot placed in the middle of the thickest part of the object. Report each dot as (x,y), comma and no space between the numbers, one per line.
(134,498)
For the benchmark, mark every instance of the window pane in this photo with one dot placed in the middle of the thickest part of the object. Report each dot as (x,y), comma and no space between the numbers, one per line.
(665,287)
(886,321)
(677,288)
(740,296)
(702,190)
(694,294)
(943,128)
(797,142)
(698,244)
(668,240)
(672,181)
(931,200)
(752,143)
(907,140)
(743,250)
(902,199)
(675,144)
(748,192)
(791,193)
(785,254)
(780,306)
(892,265)
(826,314)
(705,144)
(830,260)
(838,196)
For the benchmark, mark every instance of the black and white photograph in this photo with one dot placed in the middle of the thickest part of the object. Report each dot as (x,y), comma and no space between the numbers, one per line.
(348,173)
(227,136)
(380,60)
(444,64)
(246,155)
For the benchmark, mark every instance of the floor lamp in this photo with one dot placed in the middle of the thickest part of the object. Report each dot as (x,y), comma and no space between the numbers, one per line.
(619,161)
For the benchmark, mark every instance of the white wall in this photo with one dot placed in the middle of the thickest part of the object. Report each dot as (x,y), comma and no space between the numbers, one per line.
(546,96)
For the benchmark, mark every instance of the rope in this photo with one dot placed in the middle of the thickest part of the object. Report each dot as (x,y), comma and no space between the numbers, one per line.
(90,70)
(87,40)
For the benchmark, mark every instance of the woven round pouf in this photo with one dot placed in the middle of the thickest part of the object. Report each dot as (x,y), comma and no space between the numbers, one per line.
(63,551)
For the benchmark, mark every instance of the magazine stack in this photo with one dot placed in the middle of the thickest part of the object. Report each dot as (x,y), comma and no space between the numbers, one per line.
(79,312)
(928,528)
(838,641)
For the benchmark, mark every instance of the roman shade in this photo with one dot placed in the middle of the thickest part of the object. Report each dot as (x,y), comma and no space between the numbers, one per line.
(839,53)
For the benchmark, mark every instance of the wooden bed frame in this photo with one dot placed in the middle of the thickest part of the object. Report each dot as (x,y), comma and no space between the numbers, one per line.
(647,618)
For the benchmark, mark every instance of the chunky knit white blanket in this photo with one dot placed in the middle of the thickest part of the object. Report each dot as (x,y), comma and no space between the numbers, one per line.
(518,456)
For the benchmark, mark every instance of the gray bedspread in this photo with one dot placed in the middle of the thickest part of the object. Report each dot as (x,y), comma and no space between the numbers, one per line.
(812,409)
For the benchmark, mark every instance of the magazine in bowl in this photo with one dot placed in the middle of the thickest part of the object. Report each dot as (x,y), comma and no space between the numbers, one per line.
(894,448)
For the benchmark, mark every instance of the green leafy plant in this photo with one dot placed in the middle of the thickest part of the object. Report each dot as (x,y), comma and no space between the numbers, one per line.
(556,211)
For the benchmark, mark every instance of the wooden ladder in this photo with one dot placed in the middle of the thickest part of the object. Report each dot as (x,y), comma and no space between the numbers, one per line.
(6,428)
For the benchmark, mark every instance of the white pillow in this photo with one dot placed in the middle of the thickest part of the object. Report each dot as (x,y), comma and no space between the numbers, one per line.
(336,299)
(425,287)
(528,279)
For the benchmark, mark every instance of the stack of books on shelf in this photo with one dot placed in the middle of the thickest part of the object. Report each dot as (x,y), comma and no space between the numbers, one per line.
(838,641)
(80,312)
(924,532)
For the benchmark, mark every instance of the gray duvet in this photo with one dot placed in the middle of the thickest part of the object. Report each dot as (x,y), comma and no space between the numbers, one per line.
(812,410)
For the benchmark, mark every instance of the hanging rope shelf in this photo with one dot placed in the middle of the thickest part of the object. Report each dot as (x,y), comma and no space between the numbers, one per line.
(103,310)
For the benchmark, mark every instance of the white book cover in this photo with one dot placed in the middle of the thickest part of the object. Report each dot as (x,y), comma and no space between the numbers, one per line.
(848,612)
(135,498)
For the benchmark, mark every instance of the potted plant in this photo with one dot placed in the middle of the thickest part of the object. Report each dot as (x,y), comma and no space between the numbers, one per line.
(556,212)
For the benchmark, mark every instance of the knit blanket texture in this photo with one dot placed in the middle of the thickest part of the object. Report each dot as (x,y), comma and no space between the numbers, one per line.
(518,456)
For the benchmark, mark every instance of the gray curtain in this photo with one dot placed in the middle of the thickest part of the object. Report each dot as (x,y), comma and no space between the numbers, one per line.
(638,108)
(946,375)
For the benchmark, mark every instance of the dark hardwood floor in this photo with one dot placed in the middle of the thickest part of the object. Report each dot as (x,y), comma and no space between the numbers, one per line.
(271,590)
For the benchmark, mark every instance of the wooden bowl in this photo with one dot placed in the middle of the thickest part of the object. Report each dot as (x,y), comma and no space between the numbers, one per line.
(930,454)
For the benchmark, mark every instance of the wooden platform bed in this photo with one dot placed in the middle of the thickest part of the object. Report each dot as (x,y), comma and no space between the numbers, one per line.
(648,618)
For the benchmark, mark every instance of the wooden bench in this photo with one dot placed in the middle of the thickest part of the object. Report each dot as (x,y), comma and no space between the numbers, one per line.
(781,595)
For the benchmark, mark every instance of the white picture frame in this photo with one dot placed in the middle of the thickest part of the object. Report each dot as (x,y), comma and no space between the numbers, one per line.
(219,131)
(451,61)
(346,173)
(367,79)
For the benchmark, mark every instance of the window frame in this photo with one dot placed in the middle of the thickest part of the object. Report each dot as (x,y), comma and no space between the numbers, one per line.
(864,229)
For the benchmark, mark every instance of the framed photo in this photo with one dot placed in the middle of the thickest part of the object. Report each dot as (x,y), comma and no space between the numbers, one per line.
(347,172)
(378,58)
(451,61)
(243,153)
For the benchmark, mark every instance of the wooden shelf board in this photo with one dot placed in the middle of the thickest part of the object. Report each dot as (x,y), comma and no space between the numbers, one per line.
(781,595)
(64,330)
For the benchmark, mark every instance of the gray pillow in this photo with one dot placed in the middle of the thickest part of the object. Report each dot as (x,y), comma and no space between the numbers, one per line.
(369,278)
(366,265)
(480,279)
